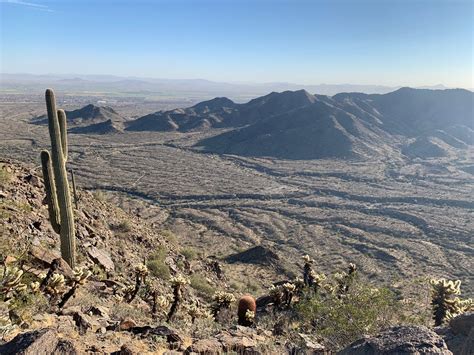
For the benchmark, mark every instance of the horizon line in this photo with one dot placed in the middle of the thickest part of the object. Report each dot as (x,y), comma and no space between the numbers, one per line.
(249,83)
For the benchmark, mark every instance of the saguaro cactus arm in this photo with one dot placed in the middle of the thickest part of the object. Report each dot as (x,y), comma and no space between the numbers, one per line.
(50,189)
(63,129)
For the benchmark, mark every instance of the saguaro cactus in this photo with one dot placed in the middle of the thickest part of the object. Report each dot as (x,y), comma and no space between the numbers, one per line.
(55,180)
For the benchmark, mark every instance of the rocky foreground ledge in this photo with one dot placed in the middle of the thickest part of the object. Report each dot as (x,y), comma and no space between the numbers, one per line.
(457,338)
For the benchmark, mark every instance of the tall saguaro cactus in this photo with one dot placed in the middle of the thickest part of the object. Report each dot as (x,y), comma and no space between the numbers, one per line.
(55,180)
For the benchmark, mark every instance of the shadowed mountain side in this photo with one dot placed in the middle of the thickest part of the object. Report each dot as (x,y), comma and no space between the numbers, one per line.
(87,115)
(319,130)
(412,112)
(204,115)
(106,127)
(222,112)
(426,147)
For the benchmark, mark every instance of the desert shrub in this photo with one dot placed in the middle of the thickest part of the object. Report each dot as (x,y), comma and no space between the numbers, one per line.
(156,264)
(169,236)
(189,253)
(341,319)
(100,195)
(5,176)
(122,227)
(200,284)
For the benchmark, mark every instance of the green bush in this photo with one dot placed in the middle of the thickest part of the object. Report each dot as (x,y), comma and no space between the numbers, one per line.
(342,319)
(189,253)
(200,284)
(5,176)
(156,264)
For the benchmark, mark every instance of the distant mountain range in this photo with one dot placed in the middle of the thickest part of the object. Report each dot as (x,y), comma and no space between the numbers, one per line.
(200,88)
(298,125)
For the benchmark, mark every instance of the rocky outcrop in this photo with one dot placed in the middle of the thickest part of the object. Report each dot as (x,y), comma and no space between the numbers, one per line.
(459,335)
(399,340)
(43,341)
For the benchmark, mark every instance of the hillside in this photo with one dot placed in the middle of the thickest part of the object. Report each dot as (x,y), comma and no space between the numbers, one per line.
(101,317)
(298,125)
(105,127)
(90,119)
(111,242)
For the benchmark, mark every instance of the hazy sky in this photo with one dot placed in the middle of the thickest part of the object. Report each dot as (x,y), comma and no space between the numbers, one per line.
(386,42)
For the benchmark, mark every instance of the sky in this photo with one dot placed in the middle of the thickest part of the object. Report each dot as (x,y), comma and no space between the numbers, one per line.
(382,42)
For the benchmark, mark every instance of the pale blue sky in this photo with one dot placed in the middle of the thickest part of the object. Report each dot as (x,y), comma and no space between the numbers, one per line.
(386,42)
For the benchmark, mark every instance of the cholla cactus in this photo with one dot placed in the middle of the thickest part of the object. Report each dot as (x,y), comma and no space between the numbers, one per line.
(56,284)
(6,325)
(288,292)
(444,301)
(345,279)
(250,316)
(276,294)
(318,279)
(178,283)
(11,282)
(352,269)
(141,272)
(35,286)
(162,302)
(307,268)
(194,311)
(221,300)
(80,277)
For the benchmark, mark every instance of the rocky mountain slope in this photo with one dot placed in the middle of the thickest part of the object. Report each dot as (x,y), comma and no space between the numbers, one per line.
(111,243)
(298,125)
(91,119)
(99,319)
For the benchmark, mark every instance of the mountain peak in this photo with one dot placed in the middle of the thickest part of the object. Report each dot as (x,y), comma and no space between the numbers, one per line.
(215,103)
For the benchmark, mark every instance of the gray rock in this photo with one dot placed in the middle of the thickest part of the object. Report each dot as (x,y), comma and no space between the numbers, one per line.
(206,347)
(43,341)
(462,324)
(399,340)
(102,258)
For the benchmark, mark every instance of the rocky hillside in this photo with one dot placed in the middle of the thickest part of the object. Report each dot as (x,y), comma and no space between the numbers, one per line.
(130,271)
(299,125)
(91,119)
(111,243)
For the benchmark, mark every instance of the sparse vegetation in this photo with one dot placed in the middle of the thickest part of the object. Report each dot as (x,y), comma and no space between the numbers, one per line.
(5,176)
(200,284)
(122,227)
(189,253)
(156,264)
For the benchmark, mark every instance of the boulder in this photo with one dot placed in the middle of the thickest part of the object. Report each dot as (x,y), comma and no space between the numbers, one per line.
(102,258)
(399,340)
(462,324)
(205,347)
(65,347)
(43,341)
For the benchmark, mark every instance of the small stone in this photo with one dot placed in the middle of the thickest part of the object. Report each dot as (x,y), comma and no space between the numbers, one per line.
(9,260)
(33,180)
(65,347)
(102,330)
(127,324)
(99,311)
(205,346)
